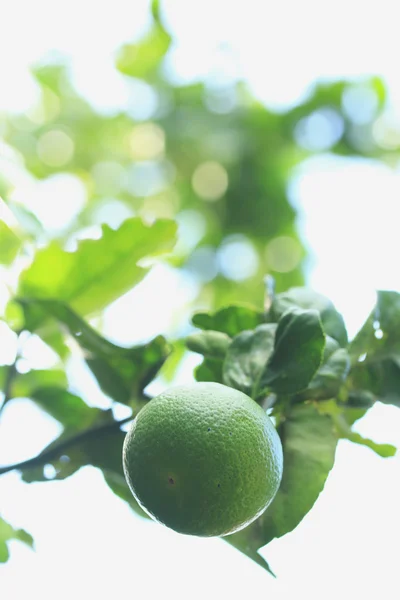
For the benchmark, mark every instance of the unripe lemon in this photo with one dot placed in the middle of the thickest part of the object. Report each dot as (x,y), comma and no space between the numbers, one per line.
(203,459)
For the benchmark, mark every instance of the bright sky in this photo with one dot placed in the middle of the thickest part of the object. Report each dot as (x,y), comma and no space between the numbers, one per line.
(88,543)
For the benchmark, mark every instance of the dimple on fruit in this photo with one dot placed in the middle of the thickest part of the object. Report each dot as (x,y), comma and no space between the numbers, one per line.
(203,459)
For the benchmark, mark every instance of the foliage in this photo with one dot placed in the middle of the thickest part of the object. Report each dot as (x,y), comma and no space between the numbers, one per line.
(140,177)
(7,533)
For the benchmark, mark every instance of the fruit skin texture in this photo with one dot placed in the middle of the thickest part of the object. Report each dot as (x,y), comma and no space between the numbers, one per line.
(203,459)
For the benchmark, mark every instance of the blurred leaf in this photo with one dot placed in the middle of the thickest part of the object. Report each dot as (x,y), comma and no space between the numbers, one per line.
(383,450)
(330,376)
(122,373)
(230,320)
(298,351)
(247,358)
(24,384)
(67,408)
(380,335)
(173,361)
(28,221)
(99,271)
(300,297)
(143,58)
(381,378)
(209,370)
(209,343)
(309,444)
(95,443)
(10,244)
(343,418)
(376,351)
(7,533)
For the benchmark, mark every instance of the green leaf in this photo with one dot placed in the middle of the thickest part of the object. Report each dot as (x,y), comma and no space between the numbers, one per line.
(380,335)
(247,358)
(230,320)
(330,376)
(7,533)
(298,351)
(67,408)
(10,244)
(99,271)
(381,378)
(143,59)
(173,361)
(24,384)
(384,450)
(309,443)
(122,373)
(343,419)
(29,223)
(248,541)
(99,447)
(209,343)
(210,370)
(376,351)
(301,297)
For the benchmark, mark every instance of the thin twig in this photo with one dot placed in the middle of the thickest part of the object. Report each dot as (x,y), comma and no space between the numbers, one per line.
(10,375)
(55,451)
(9,380)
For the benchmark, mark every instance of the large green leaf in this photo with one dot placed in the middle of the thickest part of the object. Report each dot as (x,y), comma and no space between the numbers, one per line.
(298,351)
(90,444)
(24,384)
(143,59)
(380,335)
(230,320)
(98,442)
(329,378)
(10,244)
(209,343)
(122,373)
(69,409)
(249,541)
(7,533)
(309,444)
(210,370)
(301,297)
(376,351)
(99,271)
(380,377)
(247,358)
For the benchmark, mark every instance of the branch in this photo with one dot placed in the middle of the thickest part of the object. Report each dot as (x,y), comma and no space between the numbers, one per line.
(55,451)
(11,373)
(10,376)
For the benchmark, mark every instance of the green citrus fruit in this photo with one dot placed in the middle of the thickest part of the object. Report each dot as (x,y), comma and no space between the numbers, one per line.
(203,459)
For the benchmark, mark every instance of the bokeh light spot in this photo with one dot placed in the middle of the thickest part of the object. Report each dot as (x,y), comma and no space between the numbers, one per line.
(386,132)
(203,263)
(55,148)
(320,130)
(237,258)
(210,181)
(147,142)
(283,254)
(108,176)
(49,471)
(360,103)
